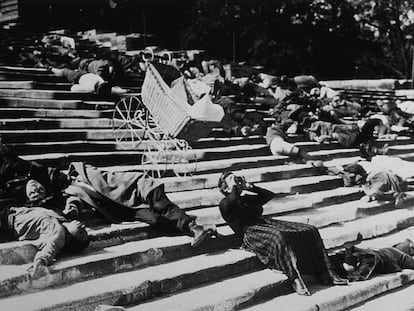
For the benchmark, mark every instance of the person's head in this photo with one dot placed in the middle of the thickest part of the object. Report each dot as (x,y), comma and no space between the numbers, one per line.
(227,181)
(384,185)
(336,100)
(77,238)
(350,261)
(354,174)
(35,191)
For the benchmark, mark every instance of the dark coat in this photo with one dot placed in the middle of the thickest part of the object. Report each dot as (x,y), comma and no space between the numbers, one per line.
(114,194)
(368,262)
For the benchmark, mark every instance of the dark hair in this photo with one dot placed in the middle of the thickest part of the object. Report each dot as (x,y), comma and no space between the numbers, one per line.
(222,182)
(103,88)
(354,174)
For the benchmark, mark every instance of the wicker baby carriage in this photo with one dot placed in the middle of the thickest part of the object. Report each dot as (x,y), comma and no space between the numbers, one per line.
(171,113)
(165,120)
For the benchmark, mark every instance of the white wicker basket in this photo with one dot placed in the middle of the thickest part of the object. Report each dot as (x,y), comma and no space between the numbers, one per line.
(170,114)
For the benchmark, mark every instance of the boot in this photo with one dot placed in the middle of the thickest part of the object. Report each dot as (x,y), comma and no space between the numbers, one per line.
(332,278)
(199,233)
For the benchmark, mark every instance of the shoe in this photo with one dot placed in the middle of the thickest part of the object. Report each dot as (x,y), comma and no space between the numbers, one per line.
(336,280)
(333,279)
(116,90)
(199,233)
(300,287)
(318,164)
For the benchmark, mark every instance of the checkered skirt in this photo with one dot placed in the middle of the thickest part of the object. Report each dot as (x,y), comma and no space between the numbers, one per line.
(293,248)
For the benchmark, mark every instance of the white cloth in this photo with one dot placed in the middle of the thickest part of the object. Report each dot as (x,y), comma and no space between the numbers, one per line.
(407,106)
(400,167)
(279,146)
(87,83)
(205,110)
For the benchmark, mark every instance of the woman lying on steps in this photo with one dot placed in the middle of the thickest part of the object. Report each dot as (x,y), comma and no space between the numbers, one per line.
(294,248)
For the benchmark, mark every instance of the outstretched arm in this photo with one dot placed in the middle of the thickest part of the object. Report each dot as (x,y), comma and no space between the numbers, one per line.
(50,244)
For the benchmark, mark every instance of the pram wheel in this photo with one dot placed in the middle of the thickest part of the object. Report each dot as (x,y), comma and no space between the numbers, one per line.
(130,120)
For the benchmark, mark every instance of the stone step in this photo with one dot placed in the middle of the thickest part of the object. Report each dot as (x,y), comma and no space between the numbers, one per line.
(272,168)
(337,298)
(401,299)
(229,294)
(211,197)
(342,212)
(42,134)
(23,252)
(87,295)
(18,69)
(201,167)
(52,94)
(43,123)
(27,148)
(23,136)
(104,235)
(130,257)
(232,297)
(287,169)
(16,84)
(75,103)
(370,228)
(7,75)
(61,86)
(134,157)
(363,293)
(10,113)
(320,208)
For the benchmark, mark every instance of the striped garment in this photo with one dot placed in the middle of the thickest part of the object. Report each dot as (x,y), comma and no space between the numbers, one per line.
(294,248)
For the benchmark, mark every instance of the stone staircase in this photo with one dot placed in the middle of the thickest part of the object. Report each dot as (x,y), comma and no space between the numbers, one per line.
(141,269)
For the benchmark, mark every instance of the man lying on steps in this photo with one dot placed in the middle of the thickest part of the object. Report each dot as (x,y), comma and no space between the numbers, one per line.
(116,196)
(49,231)
(362,263)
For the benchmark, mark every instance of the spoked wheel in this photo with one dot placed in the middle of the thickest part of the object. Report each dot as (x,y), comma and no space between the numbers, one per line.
(130,120)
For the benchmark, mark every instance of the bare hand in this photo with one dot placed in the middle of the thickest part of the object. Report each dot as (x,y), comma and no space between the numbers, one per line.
(38,269)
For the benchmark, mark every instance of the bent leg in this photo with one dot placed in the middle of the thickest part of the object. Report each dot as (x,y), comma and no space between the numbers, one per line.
(161,206)
(405,261)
